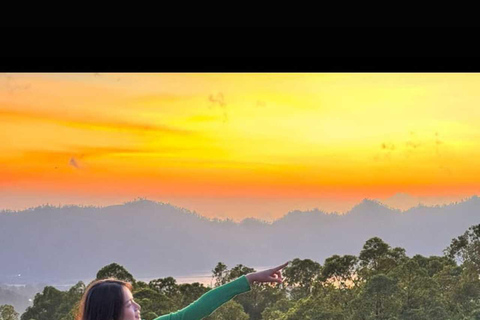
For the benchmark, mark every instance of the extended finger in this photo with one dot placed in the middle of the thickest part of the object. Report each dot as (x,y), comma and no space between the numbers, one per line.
(281,266)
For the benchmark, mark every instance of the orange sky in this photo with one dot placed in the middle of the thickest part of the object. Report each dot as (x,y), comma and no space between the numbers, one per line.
(238,145)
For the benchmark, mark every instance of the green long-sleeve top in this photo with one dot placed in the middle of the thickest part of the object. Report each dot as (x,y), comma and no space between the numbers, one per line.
(209,301)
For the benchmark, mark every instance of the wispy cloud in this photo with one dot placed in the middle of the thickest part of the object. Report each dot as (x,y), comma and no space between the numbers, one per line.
(12,85)
(90,123)
(74,154)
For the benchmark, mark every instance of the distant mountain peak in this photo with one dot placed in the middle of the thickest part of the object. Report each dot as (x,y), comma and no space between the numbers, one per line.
(370,203)
(140,201)
(369,207)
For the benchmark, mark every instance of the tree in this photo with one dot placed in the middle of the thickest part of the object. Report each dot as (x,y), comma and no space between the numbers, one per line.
(167,286)
(7,312)
(220,274)
(154,303)
(433,264)
(238,271)
(278,309)
(377,257)
(70,302)
(116,271)
(311,308)
(339,269)
(420,294)
(302,275)
(378,299)
(231,310)
(466,293)
(260,297)
(45,305)
(191,292)
(466,247)
(140,285)
(257,299)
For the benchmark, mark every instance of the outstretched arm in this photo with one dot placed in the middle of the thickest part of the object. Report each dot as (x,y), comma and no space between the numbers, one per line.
(214,298)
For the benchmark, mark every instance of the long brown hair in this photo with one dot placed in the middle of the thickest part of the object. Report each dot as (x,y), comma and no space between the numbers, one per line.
(102,300)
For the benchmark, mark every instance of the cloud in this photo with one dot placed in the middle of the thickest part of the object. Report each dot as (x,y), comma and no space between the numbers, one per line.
(84,122)
(74,154)
(74,163)
(12,85)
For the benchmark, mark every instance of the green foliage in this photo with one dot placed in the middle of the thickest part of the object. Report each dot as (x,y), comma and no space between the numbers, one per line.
(220,274)
(167,286)
(154,301)
(231,310)
(53,304)
(301,275)
(238,271)
(278,309)
(140,285)
(433,264)
(164,295)
(377,257)
(339,269)
(381,283)
(150,315)
(191,292)
(466,247)
(259,298)
(7,312)
(46,305)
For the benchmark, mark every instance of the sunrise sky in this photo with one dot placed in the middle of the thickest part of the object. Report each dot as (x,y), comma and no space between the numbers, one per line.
(239,145)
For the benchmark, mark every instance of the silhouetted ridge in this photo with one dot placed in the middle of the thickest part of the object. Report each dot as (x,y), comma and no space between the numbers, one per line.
(371,208)
(252,222)
(148,237)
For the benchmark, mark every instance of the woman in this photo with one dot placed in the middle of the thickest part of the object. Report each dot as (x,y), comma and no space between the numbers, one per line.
(111,299)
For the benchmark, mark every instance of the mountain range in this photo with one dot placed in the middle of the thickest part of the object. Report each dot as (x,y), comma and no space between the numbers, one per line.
(152,240)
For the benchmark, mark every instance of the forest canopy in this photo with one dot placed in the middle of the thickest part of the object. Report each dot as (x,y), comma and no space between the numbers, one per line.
(382,282)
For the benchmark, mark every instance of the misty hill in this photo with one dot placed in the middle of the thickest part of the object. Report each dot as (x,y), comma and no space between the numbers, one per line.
(152,240)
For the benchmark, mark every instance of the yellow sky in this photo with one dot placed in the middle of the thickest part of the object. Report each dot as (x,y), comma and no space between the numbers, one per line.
(237,145)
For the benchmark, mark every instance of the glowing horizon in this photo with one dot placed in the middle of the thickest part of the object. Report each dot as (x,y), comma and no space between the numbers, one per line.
(238,145)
